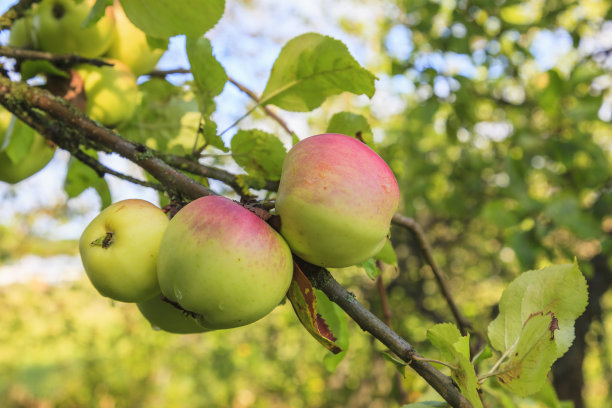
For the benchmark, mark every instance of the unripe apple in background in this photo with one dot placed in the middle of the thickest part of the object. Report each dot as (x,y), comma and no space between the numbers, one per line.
(58,28)
(221,261)
(130,45)
(162,315)
(111,93)
(40,152)
(22,32)
(119,250)
(335,200)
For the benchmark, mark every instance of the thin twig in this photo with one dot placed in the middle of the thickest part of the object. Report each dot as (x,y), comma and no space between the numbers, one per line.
(57,59)
(409,223)
(241,87)
(386,311)
(101,169)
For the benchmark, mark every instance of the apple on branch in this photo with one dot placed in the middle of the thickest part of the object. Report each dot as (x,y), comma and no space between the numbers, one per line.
(119,250)
(58,27)
(335,200)
(222,262)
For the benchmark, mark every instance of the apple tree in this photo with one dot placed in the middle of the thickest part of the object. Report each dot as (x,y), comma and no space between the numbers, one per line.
(303,207)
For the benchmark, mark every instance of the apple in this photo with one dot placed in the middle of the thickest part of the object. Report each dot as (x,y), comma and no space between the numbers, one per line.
(130,45)
(119,250)
(40,151)
(222,262)
(22,32)
(162,315)
(111,93)
(336,198)
(58,28)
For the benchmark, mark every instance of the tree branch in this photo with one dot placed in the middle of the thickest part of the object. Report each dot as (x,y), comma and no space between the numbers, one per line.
(444,385)
(409,223)
(241,87)
(75,128)
(58,59)
(15,12)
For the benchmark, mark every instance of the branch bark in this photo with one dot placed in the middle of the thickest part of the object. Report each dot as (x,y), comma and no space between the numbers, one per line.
(15,12)
(444,385)
(58,59)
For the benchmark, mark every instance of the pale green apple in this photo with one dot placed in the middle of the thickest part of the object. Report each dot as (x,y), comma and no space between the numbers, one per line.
(163,316)
(335,200)
(58,26)
(39,153)
(221,261)
(119,250)
(111,93)
(22,32)
(130,45)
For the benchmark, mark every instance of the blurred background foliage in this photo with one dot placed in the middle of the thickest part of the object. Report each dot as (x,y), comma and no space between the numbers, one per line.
(495,117)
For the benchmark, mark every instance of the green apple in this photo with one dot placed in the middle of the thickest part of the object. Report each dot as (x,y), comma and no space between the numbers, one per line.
(39,152)
(58,28)
(336,198)
(162,315)
(221,261)
(111,93)
(119,250)
(22,32)
(130,45)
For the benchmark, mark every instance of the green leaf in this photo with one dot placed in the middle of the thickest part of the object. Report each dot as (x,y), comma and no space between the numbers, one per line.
(96,13)
(351,124)
(168,118)
(302,296)
(427,404)
(559,289)
(484,354)
(312,67)
(400,365)
(80,177)
(387,254)
(30,68)
(525,371)
(209,131)
(259,153)
(455,349)
(337,322)
(208,73)
(167,18)
(18,140)
(370,268)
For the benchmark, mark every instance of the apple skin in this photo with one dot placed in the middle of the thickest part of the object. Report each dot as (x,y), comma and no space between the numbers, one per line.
(58,28)
(41,152)
(130,45)
(119,250)
(22,32)
(336,198)
(111,92)
(221,261)
(162,315)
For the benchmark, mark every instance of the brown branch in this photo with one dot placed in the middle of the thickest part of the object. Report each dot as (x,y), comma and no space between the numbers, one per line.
(58,59)
(444,385)
(15,12)
(241,87)
(85,131)
(409,223)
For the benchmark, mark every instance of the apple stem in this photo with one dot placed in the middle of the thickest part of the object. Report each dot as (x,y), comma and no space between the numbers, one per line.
(105,241)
